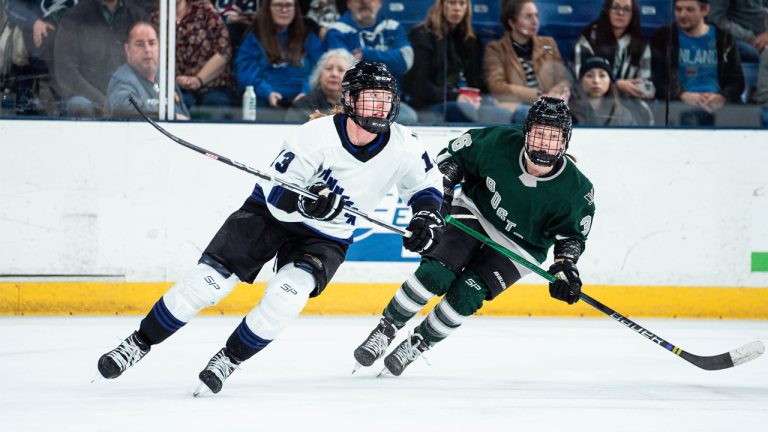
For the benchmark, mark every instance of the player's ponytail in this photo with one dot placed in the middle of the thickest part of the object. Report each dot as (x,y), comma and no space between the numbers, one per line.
(333,111)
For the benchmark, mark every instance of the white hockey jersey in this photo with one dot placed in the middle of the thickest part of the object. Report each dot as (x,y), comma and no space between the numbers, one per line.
(320,152)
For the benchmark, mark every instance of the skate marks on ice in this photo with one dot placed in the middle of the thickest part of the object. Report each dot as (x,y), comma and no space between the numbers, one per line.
(494,373)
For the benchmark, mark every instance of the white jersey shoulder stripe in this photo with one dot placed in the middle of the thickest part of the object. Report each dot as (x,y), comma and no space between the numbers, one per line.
(387,24)
(342,27)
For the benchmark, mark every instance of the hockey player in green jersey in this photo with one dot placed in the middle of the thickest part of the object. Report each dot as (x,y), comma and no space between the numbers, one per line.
(520,189)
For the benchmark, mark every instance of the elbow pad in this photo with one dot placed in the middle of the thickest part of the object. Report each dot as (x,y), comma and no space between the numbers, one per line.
(452,175)
(569,249)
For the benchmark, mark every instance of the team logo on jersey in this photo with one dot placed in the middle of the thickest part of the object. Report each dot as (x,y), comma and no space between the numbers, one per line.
(590,197)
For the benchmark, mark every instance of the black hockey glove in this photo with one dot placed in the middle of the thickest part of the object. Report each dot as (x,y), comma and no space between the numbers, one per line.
(326,207)
(567,287)
(425,227)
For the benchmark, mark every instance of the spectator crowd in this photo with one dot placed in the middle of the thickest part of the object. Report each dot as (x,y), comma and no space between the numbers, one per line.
(707,65)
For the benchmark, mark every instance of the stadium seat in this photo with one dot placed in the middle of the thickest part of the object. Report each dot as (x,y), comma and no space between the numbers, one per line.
(407,12)
(655,14)
(485,18)
(565,19)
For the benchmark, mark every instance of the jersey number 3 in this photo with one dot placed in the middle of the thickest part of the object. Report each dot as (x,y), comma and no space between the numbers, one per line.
(282,166)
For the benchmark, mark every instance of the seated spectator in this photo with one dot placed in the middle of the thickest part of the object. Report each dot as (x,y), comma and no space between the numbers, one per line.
(616,36)
(326,85)
(747,22)
(368,35)
(276,57)
(521,66)
(447,56)
(138,77)
(704,65)
(596,101)
(38,20)
(203,51)
(88,51)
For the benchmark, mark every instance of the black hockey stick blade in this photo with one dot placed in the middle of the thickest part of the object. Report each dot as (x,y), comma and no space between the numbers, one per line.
(233,163)
(727,360)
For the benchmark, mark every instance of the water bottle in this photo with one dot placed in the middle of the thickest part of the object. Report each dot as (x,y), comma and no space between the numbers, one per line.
(462,82)
(7,103)
(249,104)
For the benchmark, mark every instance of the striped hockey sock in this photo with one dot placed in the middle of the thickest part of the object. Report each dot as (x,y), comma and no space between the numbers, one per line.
(408,300)
(159,324)
(440,322)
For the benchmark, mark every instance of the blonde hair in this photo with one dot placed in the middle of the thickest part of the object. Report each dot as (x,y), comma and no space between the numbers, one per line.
(436,23)
(333,111)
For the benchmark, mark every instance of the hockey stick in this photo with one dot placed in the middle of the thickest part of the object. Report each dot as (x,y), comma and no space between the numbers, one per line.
(290,186)
(732,358)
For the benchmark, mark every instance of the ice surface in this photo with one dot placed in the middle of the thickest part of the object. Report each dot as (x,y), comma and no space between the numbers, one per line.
(505,374)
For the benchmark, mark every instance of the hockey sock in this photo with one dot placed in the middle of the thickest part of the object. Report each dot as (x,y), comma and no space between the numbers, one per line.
(285,296)
(243,343)
(159,324)
(431,279)
(463,299)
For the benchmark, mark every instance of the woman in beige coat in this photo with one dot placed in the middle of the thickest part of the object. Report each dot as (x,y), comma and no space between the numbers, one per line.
(520,67)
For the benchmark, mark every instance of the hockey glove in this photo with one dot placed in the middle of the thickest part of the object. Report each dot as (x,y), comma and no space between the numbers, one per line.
(425,227)
(326,207)
(567,287)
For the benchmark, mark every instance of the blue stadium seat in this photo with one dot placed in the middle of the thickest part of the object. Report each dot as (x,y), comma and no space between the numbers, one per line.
(565,19)
(407,12)
(655,14)
(485,18)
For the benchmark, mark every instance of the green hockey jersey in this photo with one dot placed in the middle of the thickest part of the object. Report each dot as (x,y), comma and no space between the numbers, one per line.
(530,211)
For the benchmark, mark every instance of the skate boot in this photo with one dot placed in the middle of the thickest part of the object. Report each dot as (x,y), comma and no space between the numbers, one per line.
(374,347)
(219,368)
(405,353)
(127,354)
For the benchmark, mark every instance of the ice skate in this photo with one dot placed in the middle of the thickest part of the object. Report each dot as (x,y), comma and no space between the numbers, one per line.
(127,354)
(376,344)
(219,368)
(405,354)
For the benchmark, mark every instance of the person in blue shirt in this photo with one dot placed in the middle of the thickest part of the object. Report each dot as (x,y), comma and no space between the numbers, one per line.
(370,36)
(696,63)
(277,55)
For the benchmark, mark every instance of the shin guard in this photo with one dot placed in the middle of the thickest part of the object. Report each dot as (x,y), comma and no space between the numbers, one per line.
(463,299)
(201,288)
(431,279)
(283,300)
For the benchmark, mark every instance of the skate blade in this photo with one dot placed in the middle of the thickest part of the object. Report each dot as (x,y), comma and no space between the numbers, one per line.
(356,367)
(201,390)
(98,377)
(384,372)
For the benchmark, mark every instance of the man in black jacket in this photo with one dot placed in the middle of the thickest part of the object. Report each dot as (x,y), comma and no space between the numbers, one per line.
(696,63)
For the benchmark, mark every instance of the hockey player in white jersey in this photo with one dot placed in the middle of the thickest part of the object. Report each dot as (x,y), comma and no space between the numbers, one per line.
(351,158)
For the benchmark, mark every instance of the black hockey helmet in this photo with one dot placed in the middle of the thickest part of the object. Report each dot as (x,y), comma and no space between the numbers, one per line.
(366,75)
(551,112)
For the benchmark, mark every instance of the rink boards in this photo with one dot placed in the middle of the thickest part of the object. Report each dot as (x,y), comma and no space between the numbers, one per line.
(100,298)
(103,218)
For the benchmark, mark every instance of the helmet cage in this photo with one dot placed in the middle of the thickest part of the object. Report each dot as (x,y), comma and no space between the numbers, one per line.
(553,112)
(369,76)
